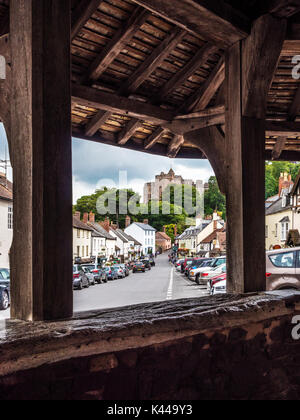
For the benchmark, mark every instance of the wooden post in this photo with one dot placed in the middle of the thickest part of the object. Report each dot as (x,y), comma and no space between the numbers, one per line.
(41,256)
(250,67)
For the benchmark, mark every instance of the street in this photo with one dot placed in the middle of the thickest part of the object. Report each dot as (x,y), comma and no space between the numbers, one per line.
(160,284)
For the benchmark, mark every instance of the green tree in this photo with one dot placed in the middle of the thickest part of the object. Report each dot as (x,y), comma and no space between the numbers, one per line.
(214,199)
(273,172)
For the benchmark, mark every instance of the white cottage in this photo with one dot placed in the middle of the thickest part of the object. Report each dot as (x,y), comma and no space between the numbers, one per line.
(144,234)
(6,220)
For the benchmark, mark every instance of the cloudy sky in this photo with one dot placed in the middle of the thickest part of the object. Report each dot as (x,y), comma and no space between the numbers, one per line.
(96,165)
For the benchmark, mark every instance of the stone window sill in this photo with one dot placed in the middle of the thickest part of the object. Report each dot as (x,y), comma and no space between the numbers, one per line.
(30,345)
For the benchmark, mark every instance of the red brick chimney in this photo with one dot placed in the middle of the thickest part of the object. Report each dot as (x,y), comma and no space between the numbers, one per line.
(85,217)
(164,229)
(146,222)
(127,221)
(77,215)
(175,231)
(106,224)
(92,217)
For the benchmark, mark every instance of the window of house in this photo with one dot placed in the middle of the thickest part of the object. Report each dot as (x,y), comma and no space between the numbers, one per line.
(276,230)
(10,217)
(284,231)
(78,251)
(83,251)
(87,251)
(78,233)
(267,231)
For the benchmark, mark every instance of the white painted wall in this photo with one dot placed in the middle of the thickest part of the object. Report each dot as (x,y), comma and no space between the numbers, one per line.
(146,238)
(6,234)
(81,239)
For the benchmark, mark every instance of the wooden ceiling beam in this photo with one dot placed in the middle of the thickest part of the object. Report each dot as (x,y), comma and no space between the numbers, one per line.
(96,122)
(208,112)
(117,44)
(283,128)
(279,147)
(175,146)
(284,8)
(126,134)
(154,138)
(82,13)
(214,20)
(202,97)
(199,59)
(193,124)
(110,102)
(155,59)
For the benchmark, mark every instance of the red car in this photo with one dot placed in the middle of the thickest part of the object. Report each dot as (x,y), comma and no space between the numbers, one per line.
(215,280)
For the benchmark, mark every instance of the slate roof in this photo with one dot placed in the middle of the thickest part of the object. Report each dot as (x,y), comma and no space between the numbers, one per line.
(277,208)
(145,227)
(78,224)
(101,231)
(136,243)
(6,188)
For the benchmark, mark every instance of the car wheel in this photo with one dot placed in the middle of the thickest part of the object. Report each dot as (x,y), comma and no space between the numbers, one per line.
(4,301)
(88,285)
(80,287)
(198,279)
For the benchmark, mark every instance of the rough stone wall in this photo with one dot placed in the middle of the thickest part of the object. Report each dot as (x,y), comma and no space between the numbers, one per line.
(253,362)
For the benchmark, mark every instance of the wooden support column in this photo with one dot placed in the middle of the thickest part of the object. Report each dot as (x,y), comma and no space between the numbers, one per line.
(250,66)
(41,255)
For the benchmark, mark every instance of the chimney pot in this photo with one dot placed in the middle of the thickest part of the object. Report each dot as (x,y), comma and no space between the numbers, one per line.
(146,222)
(127,221)
(92,217)
(77,215)
(85,217)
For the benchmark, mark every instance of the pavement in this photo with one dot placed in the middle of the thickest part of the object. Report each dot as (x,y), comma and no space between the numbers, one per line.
(162,283)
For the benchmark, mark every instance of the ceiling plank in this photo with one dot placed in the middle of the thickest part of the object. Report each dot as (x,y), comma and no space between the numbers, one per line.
(117,44)
(202,97)
(214,20)
(199,59)
(154,138)
(83,12)
(126,134)
(175,146)
(110,102)
(283,128)
(295,107)
(155,59)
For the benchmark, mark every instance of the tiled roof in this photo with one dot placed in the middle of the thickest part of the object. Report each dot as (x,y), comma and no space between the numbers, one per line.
(145,227)
(78,224)
(101,231)
(6,188)
(163,235)
(212,236)
(136,243)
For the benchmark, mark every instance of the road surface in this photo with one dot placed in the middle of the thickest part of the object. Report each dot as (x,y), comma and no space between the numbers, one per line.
(160,284)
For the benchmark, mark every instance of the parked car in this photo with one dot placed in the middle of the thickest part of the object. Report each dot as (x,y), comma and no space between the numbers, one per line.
(120,271)
(219,288)
(125,268)
(178,264)
(80,279)
(215,276)
(4,289)
(139,267)
(200,275)
(98,272)
(283,269)
(196,263)
(184,264)
(89,275)
(147,264)
(152,262)
(111,273)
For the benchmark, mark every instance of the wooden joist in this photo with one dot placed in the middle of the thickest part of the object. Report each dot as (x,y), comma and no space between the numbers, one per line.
(279,147)
(126,134)
(214,20)
(96,122)
(283,128)
(110,102)
(284,8)
(153,62)
(208,112)
(83,12)
(174,146)
(117,44)
(202,97)
(154,138)
(188,125)
(199,59)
